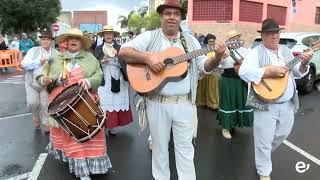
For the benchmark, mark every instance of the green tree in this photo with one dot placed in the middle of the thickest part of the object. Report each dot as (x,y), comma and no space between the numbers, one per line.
(184,4)
(28,16)
(123,21)
(152,21)
(135,22)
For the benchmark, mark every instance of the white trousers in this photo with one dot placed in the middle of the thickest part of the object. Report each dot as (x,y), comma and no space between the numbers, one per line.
(271,128)
(37,101)
(161,118)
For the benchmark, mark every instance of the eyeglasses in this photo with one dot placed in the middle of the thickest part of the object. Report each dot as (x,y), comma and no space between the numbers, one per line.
(271,33)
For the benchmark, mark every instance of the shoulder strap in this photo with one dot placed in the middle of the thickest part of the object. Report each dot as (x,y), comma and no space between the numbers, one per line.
(183,40)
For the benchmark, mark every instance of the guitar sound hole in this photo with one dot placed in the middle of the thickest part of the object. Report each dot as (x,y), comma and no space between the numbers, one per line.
(168,61)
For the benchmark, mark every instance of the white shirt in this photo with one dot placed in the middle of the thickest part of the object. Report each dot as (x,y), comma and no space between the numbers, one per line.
(171,88)
(250,72)
(228,61)
(32,59)
(14,45)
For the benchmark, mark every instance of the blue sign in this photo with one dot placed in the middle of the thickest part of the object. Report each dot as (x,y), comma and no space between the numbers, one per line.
(93,28)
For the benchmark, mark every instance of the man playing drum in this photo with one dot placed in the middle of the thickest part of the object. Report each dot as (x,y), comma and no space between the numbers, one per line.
(72,66)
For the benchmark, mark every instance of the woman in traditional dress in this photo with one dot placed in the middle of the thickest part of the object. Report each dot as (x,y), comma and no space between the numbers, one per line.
(114,91)
(82,67)
(233,95)
(208,89)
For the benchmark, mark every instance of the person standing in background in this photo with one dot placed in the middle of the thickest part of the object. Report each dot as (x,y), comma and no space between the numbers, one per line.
(25,44)
(233,111)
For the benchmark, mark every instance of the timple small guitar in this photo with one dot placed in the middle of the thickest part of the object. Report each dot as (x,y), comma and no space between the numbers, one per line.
(144,80)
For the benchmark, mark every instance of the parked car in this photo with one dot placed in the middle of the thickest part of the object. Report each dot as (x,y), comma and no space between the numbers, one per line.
(297,42)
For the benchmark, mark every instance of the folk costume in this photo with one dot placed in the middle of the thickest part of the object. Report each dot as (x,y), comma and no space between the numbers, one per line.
(173,105)
(89,157)
(114,91)
(208,85)
(273,120)
(233,111)
(37,96)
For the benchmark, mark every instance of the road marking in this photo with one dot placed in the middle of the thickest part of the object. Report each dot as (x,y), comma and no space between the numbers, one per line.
(38,166)
(18,79)
(19,177)
(304,153)
(14,116)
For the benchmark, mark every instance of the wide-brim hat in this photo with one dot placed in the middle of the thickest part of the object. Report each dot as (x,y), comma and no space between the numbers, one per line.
(170,4)
(269,25)
(46,34)
(233,33)
(107,28)
(86,41)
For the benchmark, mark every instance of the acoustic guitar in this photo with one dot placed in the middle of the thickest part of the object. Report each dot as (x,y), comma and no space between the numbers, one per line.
(271,89)
(144,80)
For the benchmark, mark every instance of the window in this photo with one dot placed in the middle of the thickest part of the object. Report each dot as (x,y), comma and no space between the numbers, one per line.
(250,11)
(317,21)
(278,13)
(218,10)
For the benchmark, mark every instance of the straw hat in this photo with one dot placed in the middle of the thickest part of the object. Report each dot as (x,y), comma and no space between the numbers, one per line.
(170,4)
(107,28)
(86,41)
(233,33)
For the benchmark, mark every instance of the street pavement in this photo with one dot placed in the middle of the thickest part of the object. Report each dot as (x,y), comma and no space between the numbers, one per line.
(22,149)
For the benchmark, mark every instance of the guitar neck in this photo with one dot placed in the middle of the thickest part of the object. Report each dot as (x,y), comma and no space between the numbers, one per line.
(293,62)
(297,59)
(193,54)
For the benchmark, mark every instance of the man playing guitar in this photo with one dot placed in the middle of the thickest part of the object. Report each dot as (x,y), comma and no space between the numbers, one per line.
(171,106)
(273,120)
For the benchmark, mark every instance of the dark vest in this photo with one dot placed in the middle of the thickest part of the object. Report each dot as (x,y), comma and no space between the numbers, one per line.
(98,53)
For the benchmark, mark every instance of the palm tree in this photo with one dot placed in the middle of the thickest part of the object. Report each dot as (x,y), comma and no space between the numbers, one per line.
(123,21)
(184,4)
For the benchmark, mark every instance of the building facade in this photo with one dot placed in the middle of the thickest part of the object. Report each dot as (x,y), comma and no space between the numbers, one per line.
(219,16)
(90,21)
(153,4)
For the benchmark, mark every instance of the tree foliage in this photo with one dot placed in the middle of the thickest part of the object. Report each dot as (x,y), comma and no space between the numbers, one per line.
(135,22)
(27,16)
(184,4)
(123,21)
(152,21)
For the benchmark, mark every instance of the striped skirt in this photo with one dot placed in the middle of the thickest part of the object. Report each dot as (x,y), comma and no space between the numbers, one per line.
(232,109)
(84,158)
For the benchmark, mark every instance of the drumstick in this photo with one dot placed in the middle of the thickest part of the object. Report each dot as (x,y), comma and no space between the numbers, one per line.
(64,73)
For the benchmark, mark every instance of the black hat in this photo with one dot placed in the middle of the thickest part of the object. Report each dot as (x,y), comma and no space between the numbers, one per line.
(46,34)
(269,25)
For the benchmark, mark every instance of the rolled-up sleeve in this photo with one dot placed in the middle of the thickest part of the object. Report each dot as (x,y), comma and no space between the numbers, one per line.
(200,60)
(296,71)
(249,70)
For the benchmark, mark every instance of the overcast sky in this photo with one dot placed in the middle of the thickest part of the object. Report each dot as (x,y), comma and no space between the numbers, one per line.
(114,7)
